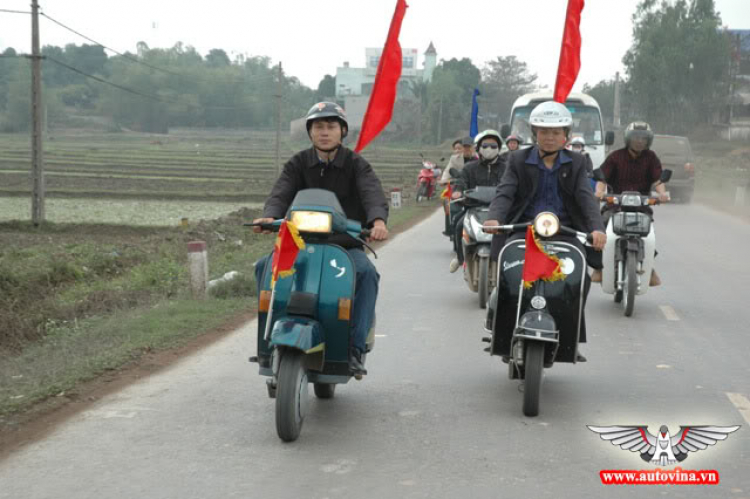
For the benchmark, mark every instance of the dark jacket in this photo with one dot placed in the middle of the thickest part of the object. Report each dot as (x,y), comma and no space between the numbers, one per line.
(348,176)
(480,173)
(519,184)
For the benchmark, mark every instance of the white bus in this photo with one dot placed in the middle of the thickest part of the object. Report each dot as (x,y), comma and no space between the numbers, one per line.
(587,122)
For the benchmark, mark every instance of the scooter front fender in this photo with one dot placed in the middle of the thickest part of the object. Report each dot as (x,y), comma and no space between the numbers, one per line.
(537,325)
(299,333)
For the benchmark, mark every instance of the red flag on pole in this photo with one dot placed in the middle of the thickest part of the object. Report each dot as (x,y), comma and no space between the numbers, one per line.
(288,244)
(383,96)
(570,52)
(538,264)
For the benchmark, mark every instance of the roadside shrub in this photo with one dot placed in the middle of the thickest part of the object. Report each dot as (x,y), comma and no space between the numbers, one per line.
(163,276)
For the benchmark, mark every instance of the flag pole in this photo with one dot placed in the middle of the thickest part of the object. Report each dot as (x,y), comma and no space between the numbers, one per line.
(269,315)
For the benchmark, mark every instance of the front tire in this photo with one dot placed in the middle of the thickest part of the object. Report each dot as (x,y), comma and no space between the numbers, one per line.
(631,283)
(484,282)
(532,387)
(421,192)
(291,395)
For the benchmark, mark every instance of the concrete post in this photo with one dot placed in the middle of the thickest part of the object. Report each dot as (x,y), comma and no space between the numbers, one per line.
(198,261)
(396,198)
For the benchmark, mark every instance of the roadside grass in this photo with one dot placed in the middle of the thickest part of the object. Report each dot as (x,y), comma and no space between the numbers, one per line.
(70,355)
(92,299)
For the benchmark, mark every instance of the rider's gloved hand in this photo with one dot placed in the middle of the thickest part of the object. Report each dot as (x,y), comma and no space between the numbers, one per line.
(600,239)
(379,231)
(456,195)
(257,229)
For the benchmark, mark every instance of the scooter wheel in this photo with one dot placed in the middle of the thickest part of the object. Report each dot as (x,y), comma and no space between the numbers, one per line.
(291,396)
(532,386)
(324,390)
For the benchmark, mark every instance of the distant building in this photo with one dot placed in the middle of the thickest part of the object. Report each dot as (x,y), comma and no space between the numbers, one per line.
(354,85)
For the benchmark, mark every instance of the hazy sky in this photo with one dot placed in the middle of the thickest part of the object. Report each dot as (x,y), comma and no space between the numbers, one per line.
(313,37)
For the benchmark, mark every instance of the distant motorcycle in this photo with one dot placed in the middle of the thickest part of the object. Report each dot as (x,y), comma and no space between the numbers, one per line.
(427,180)
(630,250)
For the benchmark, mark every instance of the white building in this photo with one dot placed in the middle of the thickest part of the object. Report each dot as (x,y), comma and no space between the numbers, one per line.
(354,85)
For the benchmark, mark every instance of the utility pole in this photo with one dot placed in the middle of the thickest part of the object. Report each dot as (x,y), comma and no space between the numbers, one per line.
(37,166)
(278,121)
(616,111)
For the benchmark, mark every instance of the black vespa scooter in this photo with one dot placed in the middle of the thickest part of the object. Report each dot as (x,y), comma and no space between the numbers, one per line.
(533,328)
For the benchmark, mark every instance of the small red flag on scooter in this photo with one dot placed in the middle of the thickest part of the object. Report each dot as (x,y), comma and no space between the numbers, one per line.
(288,244)
(380,106)
(570,52)
(538,264)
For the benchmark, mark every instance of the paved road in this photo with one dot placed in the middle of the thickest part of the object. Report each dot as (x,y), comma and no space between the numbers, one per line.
(437,417)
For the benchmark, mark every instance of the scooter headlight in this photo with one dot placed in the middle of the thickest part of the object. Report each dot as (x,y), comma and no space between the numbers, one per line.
(312,221)
(546,224)
(631,200)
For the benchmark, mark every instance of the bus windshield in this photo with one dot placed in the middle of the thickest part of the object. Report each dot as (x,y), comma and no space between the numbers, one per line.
(586,123)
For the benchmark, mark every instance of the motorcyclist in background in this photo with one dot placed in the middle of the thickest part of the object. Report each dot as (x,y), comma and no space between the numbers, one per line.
(486,171)
(633,168)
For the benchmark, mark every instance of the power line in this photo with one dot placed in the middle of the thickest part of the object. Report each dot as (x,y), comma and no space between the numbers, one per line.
(138,92)
(156,68)
(9,11)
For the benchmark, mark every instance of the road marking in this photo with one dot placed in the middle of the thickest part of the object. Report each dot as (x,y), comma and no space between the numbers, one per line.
(381,335)
(663,366)
(741,403)
(669,313)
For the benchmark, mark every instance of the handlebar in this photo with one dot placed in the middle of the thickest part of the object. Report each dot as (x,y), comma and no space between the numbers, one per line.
(518,227)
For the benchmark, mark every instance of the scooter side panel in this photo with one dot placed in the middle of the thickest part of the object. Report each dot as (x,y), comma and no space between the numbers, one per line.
(337,278)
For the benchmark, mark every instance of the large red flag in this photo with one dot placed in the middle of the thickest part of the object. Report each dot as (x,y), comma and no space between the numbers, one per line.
(570,52)
(538,264)
(288,244)
(383,96)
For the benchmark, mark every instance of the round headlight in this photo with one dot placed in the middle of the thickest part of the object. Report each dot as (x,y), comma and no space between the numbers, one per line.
(546,224)
(538,302)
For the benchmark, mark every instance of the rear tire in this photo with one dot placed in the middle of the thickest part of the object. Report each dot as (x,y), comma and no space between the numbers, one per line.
(532,387)
(484,282)
(631,283)
(291,396)
(324,390)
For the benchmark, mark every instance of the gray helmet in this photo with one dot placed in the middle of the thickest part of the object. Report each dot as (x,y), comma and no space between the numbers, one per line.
(327,110)
(639,129)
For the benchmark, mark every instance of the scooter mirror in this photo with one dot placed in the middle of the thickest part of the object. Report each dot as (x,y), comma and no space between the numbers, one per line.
(609,138)
(665,176)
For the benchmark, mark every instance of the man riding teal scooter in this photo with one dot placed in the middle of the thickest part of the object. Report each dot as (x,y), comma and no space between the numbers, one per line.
(331,166)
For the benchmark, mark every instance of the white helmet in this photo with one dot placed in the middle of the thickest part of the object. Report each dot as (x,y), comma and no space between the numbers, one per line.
(578,141)
(551,114)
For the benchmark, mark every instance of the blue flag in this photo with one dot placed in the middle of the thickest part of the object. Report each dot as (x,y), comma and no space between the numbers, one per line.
(474,127)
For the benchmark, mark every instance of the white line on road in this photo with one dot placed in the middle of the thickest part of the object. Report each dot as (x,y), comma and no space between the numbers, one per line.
(741,403)
(669,313)
(381,335)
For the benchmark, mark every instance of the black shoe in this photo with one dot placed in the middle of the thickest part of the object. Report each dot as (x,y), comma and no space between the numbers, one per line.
(355,363)
(580,357)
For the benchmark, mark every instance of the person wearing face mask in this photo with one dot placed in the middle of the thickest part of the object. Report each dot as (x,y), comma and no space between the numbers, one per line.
(486,171)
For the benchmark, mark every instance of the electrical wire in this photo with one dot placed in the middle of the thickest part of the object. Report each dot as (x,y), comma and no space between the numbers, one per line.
(156,68)
(138,92)
(10,11)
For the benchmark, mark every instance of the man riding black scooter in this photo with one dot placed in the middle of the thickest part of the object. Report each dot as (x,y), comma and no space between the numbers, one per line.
(486,171)
(547,178)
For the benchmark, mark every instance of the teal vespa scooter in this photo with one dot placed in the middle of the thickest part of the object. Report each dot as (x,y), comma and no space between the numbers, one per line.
(308,338)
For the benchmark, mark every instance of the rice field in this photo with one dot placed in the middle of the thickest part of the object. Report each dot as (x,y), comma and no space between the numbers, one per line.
(119,212)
